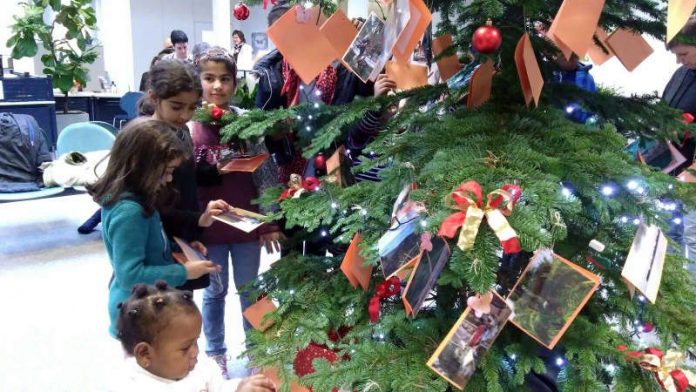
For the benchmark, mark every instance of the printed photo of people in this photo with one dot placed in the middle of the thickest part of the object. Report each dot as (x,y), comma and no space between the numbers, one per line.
(457,357)
(401,243)
(363,54)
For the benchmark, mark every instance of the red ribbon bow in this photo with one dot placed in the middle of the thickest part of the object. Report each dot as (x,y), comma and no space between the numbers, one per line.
(664,365)
(297,185)
(386,289)
(470,195)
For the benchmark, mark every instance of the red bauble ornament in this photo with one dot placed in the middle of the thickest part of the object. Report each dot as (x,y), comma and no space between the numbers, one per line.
(216,113)
(648,327)
(241,11)
(320,162)
(310,184)
(486,39)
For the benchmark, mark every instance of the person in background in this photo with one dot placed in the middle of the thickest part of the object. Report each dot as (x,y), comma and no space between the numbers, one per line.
(180,45)
(134,188)
(144,82)
(241,51)
(680,93)
(199,48)
(218,70)
(159,329)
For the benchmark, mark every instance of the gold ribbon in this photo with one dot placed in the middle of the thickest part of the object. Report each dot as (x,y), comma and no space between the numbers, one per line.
(666,369)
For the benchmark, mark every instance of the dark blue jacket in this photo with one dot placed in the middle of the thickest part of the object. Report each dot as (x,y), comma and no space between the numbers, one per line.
(581,78)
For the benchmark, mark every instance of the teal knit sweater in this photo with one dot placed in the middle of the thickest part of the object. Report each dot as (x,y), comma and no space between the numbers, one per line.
(138,250)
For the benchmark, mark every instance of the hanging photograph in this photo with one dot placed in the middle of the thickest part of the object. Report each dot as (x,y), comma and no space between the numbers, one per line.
(364,53)
(549,295)
(460,352)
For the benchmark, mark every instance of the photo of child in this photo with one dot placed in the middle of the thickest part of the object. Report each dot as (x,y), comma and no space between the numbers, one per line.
(364,53)
(457,357)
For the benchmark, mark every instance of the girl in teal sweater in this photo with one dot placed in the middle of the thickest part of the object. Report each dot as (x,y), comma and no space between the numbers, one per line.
(135,185)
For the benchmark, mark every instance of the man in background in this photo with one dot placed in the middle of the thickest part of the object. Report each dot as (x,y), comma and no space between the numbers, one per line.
(180,43)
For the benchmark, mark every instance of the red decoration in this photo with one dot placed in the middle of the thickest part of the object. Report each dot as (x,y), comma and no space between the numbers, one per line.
(687,118)
(265,3)
(304,358)
(216,113)
(241,11)
(320,162)
(648,327)
(386,289)
(487,39)
(310,184)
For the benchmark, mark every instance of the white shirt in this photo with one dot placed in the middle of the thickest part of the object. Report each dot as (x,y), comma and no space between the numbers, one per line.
(205,377)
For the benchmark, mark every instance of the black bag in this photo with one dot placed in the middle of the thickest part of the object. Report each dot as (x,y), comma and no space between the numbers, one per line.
(23,149)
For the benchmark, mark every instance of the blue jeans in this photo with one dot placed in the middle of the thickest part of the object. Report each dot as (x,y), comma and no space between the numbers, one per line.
(245,267)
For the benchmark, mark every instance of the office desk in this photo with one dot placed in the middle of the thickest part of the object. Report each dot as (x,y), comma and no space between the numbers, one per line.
(99,106)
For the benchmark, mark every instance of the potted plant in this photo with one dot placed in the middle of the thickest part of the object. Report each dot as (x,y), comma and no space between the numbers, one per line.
(66,35)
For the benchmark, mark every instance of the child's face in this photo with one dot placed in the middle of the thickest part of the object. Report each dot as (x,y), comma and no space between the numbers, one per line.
(218,83)
(168,174)
(175,350)
(177,110)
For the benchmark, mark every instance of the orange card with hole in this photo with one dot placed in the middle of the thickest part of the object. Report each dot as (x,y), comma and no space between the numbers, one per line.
(315,52)
(596,53)
(528,71)
(340,31)
(256,312)
(413,32)
(574,25)
(481,84)
(245,164)
(678,13)
(448,65)
(353,265)
(272,374)
(407,76)
(629,47)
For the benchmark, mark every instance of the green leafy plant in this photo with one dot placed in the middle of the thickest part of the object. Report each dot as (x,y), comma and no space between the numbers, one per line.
(68,53)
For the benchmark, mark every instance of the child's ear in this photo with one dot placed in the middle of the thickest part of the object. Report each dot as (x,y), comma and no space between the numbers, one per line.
(143,354)
(152,96)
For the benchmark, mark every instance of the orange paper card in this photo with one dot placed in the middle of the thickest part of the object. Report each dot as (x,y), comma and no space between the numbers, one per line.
(481,84)
(407,76)
(528,70)
(246,164)
(574,25)
(303,45)
(686,176)
(678,12)
(340,31)
(272,374)
(353,265)
(630,47)
(549,295)
(413,32)
(596,53)
(449,65)
(256,312)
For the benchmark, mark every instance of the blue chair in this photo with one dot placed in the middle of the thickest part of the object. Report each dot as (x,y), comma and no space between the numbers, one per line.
(106,126)
(129,104)
(82,137)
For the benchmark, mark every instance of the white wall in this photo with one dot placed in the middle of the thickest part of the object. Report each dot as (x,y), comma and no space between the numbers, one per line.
(650,76)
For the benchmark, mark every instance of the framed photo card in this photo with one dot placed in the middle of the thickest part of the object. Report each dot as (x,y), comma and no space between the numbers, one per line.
(399,247)
(427,269)
(460,352)
(645,261)
(549,295)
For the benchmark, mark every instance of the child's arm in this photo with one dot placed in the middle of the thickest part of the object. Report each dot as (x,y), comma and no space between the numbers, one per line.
(256,383)
(128,234)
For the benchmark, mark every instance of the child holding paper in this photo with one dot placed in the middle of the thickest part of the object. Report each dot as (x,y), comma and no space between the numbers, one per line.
(218,70)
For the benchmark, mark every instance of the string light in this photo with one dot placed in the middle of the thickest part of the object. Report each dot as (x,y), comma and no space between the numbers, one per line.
(677,221)
(607,190)
(316,105)
(424,223)
(334,205)
(291,292)
(640,190)
(560,361)
(632,185)
(624,219)
(363,212)
(324,233)
(569,109)
(641,298)
(566,192)
(670,187)
(308,128)
(310,117)
(299,118)
(317,93)
(610,368)
(513,356)
(636,221)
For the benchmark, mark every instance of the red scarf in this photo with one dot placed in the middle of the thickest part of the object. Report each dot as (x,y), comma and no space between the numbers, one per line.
(325,82)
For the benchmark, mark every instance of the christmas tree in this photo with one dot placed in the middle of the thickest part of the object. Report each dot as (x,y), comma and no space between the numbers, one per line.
(570,183)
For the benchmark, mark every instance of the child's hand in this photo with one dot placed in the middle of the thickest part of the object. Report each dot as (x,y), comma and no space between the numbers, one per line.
(384,85)
(197,245)
(256,383)
(214,207)
(196,269)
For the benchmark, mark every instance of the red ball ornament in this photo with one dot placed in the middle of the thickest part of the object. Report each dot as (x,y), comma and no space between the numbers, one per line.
(487,39)
(310,184)
(241,11)
(648,327)
(320,162)
(216,113)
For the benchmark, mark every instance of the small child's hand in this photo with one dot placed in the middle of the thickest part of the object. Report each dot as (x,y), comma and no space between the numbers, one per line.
(256,383)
